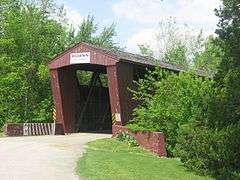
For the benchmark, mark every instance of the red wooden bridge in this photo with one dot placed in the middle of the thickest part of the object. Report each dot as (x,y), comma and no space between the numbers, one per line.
(93,106)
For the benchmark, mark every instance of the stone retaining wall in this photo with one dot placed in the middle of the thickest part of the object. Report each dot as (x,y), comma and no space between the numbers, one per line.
(13,129)
(153,141)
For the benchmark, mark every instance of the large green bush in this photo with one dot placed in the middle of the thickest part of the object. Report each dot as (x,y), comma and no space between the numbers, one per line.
(182,105)
(170,103)
(210,151)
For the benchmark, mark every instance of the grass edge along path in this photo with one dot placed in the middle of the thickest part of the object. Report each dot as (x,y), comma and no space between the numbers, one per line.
(2,134)
(115,160)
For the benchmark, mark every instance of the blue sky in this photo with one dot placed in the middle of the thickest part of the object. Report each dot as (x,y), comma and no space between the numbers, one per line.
(137,20)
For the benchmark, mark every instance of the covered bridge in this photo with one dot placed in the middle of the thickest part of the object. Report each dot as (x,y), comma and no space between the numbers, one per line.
(96,103)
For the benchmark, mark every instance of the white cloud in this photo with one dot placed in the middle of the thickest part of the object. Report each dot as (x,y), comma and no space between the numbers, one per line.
(73,16)
(145,36)
(157,38)
(199,12)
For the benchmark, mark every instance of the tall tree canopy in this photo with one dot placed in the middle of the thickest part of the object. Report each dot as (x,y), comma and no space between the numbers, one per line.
(229,35)
(183,47)
(227,78)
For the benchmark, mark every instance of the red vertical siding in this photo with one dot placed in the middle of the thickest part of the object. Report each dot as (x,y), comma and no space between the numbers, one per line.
(56,92)
(113,89)
(125,81)
(120,78)
(63,88)
(68,85)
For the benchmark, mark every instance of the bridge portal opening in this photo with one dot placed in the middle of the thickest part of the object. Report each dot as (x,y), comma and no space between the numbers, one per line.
(91,85)
(92,104)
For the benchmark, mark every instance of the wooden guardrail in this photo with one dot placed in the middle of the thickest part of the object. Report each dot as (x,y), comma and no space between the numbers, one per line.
(36,129)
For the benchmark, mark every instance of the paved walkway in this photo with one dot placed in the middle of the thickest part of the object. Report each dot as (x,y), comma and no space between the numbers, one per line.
(42,157)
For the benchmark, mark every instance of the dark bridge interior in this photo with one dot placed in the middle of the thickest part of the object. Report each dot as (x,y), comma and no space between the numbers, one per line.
(93,111)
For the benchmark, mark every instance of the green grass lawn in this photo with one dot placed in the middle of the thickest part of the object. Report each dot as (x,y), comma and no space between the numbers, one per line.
(112,159)
(1,134)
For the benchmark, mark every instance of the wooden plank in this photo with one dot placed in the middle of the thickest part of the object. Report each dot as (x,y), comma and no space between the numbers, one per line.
(29,129)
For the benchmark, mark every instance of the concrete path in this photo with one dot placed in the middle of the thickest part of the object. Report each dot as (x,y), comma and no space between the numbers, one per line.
(42,157)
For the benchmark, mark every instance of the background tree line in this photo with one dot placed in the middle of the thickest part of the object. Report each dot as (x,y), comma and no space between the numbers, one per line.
(184,46)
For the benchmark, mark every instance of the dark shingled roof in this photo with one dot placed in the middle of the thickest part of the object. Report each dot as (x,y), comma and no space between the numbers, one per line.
(138,59)
(145,60)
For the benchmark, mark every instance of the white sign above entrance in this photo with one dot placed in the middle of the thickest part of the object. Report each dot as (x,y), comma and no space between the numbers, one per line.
(79,58)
